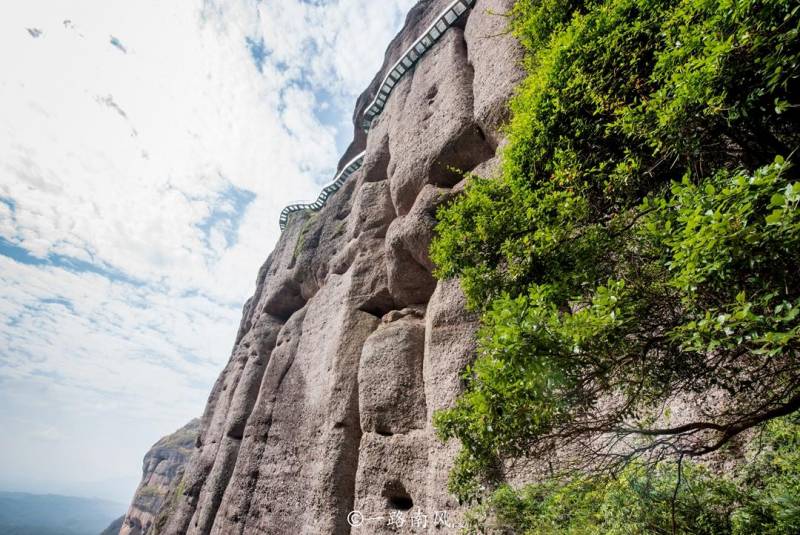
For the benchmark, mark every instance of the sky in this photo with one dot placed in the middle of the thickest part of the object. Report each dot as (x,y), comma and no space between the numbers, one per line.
(146,150)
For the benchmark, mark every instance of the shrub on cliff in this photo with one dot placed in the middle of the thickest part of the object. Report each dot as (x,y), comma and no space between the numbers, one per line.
(641,248)
(763,498)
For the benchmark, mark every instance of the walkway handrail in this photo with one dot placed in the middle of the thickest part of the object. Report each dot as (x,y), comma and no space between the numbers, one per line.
(351,167)
(413,53)
(447,18)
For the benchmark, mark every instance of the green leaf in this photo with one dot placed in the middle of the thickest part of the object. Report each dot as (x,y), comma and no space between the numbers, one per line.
(775,217)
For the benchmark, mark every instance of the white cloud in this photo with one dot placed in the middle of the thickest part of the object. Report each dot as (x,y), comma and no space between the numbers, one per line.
(143,179)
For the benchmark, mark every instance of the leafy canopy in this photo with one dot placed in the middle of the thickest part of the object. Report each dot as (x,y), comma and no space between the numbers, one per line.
(641,247)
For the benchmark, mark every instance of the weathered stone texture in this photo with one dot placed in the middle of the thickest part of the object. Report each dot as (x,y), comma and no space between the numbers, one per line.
(496,58)
(162,471)
(349,344)
(391,390)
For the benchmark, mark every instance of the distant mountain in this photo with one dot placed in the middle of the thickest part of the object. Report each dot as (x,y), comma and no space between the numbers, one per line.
(50,514)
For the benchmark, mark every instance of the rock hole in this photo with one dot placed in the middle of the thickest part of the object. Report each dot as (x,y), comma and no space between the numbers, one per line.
(370,311)
(397,497)
(403,503)
(481,133)
(379,304)
(236,431)
(431,94)
(384,432)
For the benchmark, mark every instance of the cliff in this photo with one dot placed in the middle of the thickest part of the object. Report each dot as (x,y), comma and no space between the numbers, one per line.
(639,327)
(349,344)
(162,471)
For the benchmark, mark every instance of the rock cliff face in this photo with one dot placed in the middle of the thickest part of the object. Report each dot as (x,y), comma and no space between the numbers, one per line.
(349,344)
(114,527)
(162,471)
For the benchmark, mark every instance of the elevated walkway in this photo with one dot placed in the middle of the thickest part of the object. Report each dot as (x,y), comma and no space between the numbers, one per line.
(447,18)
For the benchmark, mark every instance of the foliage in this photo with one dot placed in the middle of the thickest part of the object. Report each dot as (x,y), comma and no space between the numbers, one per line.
(150,491)
(298,245)
(762,497)
(641,246)
(168,508)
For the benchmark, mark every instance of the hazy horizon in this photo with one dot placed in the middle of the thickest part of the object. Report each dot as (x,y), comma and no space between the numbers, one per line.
(118,489)
(52,514)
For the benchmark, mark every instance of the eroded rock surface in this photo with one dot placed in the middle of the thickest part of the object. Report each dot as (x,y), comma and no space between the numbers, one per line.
(349,344)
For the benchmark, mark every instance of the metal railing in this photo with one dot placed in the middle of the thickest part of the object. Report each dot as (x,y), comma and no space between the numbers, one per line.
(447,18)
(351,167)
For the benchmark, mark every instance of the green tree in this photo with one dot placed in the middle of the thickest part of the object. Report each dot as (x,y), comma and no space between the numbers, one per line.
(641,246)
(762,497)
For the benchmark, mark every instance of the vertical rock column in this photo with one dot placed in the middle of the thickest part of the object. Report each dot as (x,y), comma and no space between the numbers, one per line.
(443,119)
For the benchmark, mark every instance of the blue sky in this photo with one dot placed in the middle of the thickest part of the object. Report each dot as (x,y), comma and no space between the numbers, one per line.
(146,150)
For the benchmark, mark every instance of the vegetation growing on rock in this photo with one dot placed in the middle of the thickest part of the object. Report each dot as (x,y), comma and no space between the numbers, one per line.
(639,251)
(759,498)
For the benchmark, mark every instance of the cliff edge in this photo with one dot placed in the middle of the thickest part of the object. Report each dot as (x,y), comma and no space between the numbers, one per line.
(162,471)
(349,344)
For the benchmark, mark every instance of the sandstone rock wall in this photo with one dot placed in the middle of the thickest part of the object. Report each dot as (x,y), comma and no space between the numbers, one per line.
(162,471)
(349,344)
